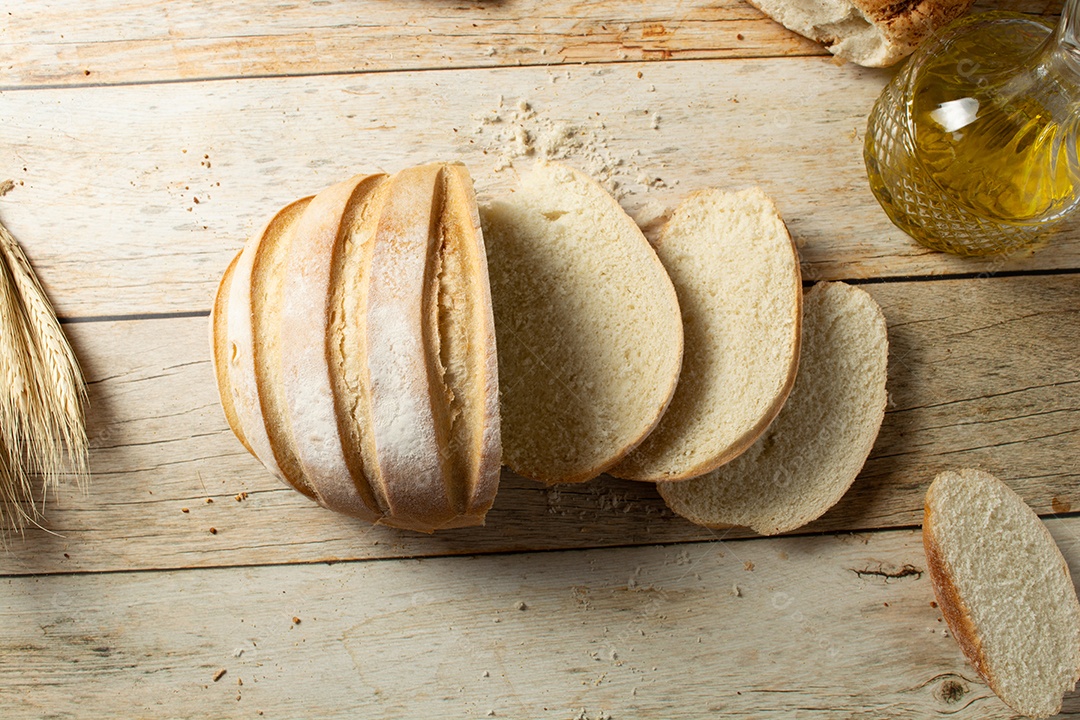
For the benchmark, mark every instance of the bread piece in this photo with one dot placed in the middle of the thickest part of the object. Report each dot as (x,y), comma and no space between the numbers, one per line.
(220,348)
(250,337)
(312,325)
(1004,589)
(466,366)
(736,274)
(590,336)
(425,263)
(812,452)
(873,33)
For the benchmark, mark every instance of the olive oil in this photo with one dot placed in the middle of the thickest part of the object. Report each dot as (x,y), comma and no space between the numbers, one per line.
(972,148)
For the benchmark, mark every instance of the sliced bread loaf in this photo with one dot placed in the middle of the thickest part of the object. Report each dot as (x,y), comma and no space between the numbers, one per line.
(590,336)
(736,274)
(812,452)
(360,350)
(1004,589)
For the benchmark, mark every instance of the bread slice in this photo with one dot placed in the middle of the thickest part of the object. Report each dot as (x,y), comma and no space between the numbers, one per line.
(813,451)
(431,352)
(736,273)
(1004,589)
(306,404)
(251,305)
(464,357)
(220,348)
(873,33)
(590,336)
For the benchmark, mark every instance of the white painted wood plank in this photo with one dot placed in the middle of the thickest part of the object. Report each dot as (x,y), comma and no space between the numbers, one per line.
(116,41)
(982,373)
(108,177)
(807,627)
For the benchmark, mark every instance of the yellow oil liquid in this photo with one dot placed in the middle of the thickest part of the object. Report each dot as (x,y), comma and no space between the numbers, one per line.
(970,152)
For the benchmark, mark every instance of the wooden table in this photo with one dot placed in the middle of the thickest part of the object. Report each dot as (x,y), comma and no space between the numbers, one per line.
(147,139)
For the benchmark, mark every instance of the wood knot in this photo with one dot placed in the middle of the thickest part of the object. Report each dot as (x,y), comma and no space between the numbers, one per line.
(951,691)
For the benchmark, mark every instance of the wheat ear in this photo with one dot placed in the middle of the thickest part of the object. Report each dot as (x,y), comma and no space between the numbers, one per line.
(42,430)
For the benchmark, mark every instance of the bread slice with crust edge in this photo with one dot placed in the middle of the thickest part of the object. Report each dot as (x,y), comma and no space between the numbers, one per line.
(1004,589)
(736,274)
(588,325)
(812,453)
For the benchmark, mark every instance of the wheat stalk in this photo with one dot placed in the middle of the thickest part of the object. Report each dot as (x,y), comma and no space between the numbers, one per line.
(42,431)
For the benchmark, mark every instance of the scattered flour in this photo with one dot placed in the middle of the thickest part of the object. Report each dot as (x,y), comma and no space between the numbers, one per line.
(516,130)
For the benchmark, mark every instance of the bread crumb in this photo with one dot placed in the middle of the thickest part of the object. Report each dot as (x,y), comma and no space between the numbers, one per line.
(749,566)
(6,186)
(185,510)
(295,621)
(219,674)
(735,591)
(213,531)
(521,605)
(486,674)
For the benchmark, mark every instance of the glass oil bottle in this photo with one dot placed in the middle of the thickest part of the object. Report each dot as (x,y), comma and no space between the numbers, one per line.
(972,148)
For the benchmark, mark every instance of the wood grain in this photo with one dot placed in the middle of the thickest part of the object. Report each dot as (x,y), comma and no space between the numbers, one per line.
(134,199)
(982,373)
(814,627)
(133,41)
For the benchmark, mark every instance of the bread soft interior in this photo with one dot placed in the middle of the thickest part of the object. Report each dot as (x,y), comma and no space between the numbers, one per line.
(588,327)
(815,448)
(1012,583)
(838,24)
(736,274)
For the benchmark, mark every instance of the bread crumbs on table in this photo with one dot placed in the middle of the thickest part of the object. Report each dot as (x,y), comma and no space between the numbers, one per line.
(296,621)
(213,531)
(220,674)
(185,510)
(749,565)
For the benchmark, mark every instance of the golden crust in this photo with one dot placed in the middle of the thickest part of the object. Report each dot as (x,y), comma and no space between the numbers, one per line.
(424,473)
(219,346)
(952,606)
